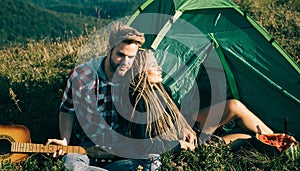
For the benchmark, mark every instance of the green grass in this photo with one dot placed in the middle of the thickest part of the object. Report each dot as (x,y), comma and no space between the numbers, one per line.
(215,155)
(212,156)
(36,162)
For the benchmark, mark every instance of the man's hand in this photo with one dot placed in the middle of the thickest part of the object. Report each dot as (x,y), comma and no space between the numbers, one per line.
(63,142)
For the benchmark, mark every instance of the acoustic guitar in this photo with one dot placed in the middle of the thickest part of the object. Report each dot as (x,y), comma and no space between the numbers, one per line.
(15,144)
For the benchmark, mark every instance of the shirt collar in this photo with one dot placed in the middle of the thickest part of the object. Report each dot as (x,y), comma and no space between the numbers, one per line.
(100,70)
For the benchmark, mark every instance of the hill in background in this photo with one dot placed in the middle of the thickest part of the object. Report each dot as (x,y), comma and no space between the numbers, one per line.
(34,19)
(95,8)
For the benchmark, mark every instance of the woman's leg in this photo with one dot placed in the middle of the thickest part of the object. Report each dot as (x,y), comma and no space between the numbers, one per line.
(236,136)
(232,109)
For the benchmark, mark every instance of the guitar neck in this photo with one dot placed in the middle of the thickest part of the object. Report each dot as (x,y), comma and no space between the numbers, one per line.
(40,148)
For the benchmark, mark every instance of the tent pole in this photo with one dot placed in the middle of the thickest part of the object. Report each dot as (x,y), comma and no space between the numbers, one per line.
(228,72)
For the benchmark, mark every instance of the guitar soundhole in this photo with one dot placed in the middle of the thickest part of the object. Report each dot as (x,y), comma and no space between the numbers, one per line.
(5,146)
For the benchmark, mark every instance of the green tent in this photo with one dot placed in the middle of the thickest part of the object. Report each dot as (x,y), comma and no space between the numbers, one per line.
(210,51)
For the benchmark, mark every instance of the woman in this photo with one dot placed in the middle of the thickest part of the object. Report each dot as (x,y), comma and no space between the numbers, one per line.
(147,85)
(165,125)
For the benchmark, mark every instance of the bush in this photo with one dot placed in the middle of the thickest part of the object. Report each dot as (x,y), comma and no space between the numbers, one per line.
(32,81)
(35,162)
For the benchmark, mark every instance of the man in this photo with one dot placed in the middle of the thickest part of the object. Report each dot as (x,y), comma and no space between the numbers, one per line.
(124,43)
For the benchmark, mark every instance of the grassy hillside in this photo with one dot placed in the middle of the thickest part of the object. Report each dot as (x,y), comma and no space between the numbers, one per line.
(103,8)
(21,20)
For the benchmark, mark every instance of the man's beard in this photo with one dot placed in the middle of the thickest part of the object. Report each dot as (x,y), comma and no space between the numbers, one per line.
(115,68)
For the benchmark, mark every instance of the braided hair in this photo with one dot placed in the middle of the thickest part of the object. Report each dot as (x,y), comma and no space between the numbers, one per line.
(164,119)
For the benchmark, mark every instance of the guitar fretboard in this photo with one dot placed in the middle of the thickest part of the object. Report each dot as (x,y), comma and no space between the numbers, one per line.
(40,148)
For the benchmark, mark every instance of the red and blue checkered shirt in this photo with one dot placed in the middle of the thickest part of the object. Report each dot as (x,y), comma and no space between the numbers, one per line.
(88,94)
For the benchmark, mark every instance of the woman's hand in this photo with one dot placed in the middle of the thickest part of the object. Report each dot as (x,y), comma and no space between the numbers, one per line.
(186,145)
(63,142)
(188,140)
(189,136)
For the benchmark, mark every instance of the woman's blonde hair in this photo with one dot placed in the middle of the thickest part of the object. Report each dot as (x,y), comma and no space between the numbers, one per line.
(164,119)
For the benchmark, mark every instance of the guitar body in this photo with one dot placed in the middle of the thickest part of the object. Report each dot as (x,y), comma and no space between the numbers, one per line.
(10,134)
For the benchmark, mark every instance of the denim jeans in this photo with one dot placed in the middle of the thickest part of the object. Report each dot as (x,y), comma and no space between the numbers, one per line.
(129,165)
(80,162)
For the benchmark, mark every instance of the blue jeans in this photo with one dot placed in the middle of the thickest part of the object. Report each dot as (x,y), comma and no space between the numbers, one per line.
(81,162)
(129,164)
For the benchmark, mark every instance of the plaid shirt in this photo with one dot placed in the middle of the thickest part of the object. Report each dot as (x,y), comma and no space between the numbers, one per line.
(90,94)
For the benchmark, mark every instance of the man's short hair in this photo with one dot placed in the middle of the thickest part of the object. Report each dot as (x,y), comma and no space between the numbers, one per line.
(125,34)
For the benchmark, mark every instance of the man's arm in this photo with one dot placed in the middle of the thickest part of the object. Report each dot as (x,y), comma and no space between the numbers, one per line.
(66,122)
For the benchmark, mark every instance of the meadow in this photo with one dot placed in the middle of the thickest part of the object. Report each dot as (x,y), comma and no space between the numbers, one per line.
(33,78)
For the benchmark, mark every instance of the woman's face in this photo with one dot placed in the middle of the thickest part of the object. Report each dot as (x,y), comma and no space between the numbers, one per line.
(154,71)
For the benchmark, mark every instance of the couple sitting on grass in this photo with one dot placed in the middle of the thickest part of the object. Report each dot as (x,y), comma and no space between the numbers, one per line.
(120,105)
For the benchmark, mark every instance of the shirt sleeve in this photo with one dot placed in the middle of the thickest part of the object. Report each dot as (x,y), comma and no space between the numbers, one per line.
(67,101)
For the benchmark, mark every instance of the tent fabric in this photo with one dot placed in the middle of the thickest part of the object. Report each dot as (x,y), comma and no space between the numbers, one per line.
(211,50)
